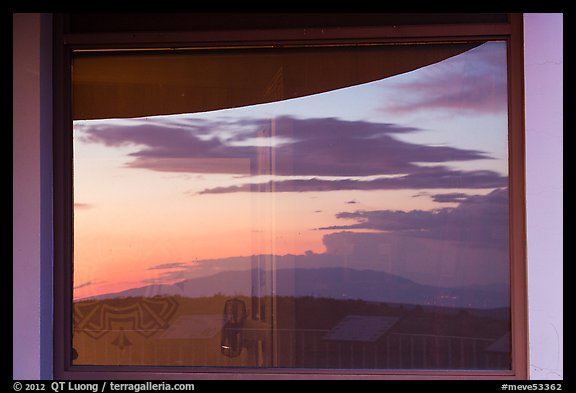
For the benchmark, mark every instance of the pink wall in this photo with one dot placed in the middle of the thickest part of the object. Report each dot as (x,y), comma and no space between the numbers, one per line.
(31,184)
(31,193)
(543,58)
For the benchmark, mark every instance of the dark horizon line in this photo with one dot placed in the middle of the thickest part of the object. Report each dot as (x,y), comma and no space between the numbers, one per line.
(494,288)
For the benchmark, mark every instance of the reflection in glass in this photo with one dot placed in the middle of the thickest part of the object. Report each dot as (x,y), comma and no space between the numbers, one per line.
(362,226)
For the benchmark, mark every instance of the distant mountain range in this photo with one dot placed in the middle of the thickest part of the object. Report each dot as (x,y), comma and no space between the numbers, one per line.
(337,283)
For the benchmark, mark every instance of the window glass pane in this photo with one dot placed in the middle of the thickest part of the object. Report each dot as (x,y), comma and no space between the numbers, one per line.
(363,227)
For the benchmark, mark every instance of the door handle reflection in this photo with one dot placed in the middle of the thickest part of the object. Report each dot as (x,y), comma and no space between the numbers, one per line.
(234,318)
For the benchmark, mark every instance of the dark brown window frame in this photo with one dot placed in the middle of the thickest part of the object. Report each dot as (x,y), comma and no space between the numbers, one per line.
(67,41)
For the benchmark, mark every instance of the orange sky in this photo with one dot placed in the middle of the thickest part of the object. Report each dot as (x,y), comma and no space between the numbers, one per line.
(124,239)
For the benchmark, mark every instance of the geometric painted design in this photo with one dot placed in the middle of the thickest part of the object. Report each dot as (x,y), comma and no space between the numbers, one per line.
(122,341)
(145,316)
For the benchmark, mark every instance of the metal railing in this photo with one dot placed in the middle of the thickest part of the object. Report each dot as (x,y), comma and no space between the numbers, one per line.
(299,348)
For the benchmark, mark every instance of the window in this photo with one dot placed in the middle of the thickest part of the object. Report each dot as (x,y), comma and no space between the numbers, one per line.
(265,204)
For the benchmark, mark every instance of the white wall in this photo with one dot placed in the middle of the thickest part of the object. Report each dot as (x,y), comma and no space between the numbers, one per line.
(543,57)
(32,263)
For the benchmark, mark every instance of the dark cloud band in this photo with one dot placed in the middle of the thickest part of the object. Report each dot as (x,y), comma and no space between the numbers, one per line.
(310,148)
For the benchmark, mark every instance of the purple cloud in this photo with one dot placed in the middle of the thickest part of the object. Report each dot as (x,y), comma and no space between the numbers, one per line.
(450,197)
(311,147)
(423,178)
(170,265)
(480,220)
(325,147)
(193,148)
(84,284)
(481,88)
